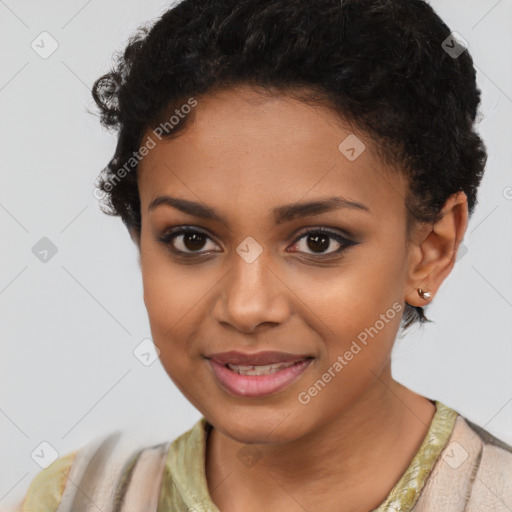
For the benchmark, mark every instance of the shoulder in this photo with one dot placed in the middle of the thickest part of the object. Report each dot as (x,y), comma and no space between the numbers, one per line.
(118,469)
(487,439)
(45,491)
(494,455)
(56,486)
(474,469)
(111,470)
(491,485)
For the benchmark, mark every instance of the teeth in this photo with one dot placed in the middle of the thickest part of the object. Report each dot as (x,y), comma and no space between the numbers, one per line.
(259,370)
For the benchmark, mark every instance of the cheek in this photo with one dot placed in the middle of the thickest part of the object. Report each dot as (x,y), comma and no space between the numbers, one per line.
(352,297)
(169,289)
(354,359)
(359,312)
(168,301)
(176,300)
(171,320)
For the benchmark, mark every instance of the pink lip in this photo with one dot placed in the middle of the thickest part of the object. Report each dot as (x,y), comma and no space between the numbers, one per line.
(253,386)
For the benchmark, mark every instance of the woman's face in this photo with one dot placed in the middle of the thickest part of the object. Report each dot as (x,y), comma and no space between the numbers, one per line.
(253,273)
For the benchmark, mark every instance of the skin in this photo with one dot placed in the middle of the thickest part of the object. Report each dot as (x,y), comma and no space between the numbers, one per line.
(243,155)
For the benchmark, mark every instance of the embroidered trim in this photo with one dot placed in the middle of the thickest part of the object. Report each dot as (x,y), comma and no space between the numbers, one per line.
(405,494)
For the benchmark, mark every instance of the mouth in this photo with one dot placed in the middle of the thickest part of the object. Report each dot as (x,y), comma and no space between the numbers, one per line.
(256,381)
(263,358)
(259,370)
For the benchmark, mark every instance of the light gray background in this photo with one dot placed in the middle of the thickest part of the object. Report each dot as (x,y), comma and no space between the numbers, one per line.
(68,327)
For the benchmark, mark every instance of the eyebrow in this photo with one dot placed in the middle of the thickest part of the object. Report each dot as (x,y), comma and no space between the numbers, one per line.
(285,213)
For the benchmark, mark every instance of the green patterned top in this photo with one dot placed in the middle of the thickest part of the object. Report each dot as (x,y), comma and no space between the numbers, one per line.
(404,495)
(185,487)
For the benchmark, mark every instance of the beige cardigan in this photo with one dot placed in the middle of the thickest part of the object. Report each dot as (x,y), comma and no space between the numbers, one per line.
(458,468)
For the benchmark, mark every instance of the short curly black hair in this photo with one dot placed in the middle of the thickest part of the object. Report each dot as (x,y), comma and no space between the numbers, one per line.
(384,66)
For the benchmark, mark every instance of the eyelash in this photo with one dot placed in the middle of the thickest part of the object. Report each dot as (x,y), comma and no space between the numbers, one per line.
(169,236)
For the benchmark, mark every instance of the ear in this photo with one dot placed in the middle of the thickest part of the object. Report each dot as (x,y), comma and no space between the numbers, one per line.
(433,249)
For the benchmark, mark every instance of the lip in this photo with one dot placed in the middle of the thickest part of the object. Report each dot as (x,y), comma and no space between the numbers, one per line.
(256,358)
(257,386)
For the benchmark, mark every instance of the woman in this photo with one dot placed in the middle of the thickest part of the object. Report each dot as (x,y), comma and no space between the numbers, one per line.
(298,177)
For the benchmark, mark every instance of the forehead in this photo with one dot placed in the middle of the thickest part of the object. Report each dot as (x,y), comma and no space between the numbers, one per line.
(245,151)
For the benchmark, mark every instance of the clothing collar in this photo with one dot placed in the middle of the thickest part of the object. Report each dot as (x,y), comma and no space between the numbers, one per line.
(187,456)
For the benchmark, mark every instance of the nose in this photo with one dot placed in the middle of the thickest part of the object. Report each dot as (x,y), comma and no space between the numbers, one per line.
(253,296)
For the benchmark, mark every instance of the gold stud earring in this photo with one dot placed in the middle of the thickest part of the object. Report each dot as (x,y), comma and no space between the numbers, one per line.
(424,295)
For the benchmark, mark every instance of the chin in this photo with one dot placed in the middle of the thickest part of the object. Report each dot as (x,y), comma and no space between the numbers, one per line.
(255,426)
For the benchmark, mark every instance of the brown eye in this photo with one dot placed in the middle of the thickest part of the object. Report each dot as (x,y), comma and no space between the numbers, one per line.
(193,241)
(318,241)
(188,242)
(185,241)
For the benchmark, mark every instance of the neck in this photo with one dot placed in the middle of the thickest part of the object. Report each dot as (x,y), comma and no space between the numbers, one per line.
(355,459)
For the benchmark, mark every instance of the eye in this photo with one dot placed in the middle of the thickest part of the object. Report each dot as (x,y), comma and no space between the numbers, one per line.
(189,242)
(320,239)
(183,240)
